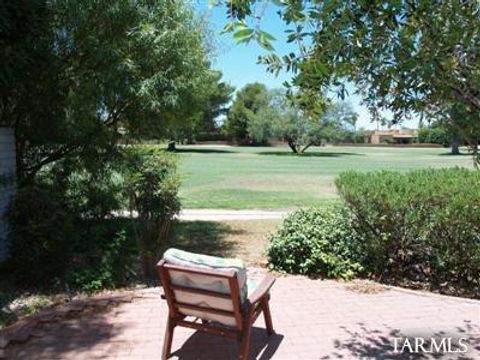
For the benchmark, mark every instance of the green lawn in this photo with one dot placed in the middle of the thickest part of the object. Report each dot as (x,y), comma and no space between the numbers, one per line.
(273,177)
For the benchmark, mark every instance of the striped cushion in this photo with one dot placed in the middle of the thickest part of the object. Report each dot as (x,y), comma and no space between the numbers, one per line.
(187,259)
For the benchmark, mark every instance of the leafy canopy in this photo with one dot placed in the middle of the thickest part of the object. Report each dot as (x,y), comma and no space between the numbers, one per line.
(408,56)
(84,74)
(249,102)
(209,102)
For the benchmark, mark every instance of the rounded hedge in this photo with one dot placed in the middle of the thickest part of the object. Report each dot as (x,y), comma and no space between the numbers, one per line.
(316,241)
(420,228)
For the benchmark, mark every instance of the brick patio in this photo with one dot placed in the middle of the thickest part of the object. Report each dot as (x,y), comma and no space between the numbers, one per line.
(314,319)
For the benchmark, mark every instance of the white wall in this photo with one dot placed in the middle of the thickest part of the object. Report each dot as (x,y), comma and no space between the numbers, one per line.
(7,168)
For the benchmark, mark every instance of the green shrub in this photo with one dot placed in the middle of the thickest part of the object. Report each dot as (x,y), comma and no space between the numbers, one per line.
(211,136)
(316,241)
(92,187)
(152,184)
(64,232)
(421,226)
(105,259)
(42,233)
(435,135)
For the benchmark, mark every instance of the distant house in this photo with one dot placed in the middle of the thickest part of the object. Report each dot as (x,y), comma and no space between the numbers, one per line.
(391,136)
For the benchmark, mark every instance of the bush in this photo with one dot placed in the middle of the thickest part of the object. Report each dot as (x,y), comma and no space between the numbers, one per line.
(316,241)
(63,230)
(52,245)
(211,136)
(421,226)
(152,185)
(435,135)
(42,230)
(104,259)
(92,186)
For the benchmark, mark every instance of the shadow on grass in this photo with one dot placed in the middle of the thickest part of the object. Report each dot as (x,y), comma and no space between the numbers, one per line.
(204,151)
(453,155)
(207,237)
(310,154)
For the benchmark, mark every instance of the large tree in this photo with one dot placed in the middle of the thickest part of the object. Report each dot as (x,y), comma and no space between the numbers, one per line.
(300,124)
(218,96)
(413,57)
(201,114)
(248,103)
(84,74)
(342,112)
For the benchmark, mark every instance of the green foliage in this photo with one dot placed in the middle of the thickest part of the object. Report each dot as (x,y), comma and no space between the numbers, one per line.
(219,94)
(79,78)
(420,226)
(344,136)
(342,114)
(152,184)
(54,245)
(63,228)
(302,125)
(208,102)
(435,135)
(287,117)
(42,235)
(316,241)
(299,130)
(12,307)
(92,184)
(104,259)
(85,74)
(248,103)
(405,56)
(211,136)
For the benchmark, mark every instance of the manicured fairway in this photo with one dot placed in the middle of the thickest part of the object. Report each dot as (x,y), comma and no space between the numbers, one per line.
(273,177)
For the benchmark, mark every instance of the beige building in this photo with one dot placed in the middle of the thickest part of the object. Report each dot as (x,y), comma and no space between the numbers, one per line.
(391,136)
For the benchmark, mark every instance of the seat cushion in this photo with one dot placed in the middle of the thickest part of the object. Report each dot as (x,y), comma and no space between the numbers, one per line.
(192,260)
(198,281)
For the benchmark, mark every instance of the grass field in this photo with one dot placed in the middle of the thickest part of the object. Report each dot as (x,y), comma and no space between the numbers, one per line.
(273,177)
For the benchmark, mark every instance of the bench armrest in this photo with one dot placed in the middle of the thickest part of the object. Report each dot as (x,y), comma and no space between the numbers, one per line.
(262,290)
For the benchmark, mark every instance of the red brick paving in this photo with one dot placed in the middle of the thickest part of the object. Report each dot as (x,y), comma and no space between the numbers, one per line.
(314,319)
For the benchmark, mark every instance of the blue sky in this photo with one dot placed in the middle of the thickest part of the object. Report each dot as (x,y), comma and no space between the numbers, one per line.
(238,62)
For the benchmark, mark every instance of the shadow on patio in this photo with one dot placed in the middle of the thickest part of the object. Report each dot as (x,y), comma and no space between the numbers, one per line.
(205,346)
(66,330)
(372,343)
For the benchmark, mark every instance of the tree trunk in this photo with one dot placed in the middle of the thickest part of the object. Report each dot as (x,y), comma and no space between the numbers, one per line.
(292,145)
(455,144)
(148,263)
(305,148)
(171,146)
(475,153)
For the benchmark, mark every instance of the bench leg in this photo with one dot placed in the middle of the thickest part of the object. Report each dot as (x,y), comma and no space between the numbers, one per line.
(167,341)
(245,344)
(267,316)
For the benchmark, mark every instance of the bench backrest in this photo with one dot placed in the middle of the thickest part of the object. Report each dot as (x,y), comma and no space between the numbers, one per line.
(203,293)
